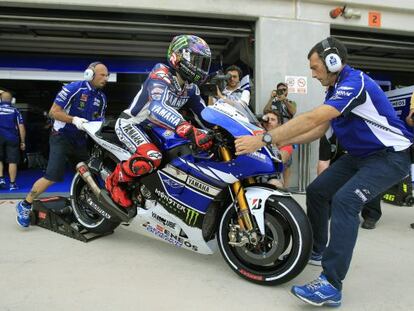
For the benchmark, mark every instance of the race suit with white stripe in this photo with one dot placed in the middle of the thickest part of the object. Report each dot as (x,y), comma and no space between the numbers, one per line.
(158,101)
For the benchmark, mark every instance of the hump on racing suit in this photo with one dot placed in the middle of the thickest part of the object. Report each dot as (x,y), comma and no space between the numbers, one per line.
(161,97)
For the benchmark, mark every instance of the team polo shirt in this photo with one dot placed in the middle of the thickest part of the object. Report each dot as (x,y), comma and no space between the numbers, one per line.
(368,122)
(79,99)
(10,118)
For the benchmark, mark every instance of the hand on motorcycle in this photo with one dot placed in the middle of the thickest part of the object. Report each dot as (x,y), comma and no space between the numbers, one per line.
(198,137)
(78,122)
(248,144)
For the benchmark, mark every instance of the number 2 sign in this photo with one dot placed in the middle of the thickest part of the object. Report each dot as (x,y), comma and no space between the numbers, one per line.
(374,19)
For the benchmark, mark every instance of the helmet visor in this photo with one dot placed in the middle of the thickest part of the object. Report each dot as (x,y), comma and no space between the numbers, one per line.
(201,62)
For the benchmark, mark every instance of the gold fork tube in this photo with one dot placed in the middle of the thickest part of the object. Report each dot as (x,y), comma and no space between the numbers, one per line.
(244,214)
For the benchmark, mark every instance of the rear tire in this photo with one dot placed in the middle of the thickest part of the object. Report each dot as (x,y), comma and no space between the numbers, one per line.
(282,253)
(81,198)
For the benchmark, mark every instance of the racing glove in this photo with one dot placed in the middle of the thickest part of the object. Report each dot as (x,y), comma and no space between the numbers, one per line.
(78,122)
(199,138)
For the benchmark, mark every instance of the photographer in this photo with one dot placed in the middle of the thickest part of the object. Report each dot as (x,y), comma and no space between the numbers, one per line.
(409,119)
(233,93)
(271,120)
(279,101)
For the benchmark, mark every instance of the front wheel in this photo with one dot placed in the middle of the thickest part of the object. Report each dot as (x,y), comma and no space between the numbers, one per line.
(281,254)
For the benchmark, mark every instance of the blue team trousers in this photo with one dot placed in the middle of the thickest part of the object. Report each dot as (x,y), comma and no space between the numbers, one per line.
(349,183)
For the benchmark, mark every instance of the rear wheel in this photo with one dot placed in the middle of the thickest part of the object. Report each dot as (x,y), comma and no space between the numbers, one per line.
(82,199)
(281,254)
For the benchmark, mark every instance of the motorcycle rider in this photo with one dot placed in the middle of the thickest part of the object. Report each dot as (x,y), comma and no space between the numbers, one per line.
(166,90)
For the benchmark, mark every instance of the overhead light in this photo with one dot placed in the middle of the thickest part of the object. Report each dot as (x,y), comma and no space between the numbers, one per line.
(345,12)
(351,13)
(337,12)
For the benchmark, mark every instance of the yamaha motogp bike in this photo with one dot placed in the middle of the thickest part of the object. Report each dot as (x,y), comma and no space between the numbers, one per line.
(201,201)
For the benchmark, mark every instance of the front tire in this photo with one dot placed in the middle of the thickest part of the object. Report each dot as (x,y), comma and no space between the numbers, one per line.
(281,254)
(81,199)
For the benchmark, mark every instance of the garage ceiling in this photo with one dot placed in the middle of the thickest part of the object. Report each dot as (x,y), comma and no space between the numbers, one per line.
(378,51)
(111,34)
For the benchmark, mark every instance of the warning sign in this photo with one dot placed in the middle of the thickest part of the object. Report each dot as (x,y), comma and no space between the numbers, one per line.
(297,84)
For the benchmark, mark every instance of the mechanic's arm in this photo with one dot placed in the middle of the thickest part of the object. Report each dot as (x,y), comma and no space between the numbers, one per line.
(313,134)
(302,124)
(58,113)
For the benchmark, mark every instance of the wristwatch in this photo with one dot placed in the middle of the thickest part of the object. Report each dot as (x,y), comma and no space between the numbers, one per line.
(267,138)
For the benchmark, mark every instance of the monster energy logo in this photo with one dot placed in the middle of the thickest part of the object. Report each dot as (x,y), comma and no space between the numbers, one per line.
(180,43)
(191,217)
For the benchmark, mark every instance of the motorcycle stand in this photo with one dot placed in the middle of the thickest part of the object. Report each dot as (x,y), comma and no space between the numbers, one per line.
(55,214)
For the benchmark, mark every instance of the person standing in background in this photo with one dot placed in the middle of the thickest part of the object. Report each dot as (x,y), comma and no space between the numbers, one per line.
(12,139)
(77,103)
(271,120)
(287,109)
(279,101)
(409,118)
(234,93)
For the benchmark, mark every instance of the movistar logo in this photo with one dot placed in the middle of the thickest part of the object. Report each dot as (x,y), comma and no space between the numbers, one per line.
(191,217)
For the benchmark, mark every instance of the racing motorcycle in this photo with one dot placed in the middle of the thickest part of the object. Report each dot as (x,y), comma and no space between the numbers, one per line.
(201,201)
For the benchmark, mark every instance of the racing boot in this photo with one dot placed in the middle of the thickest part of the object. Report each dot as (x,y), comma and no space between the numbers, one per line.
(115,187)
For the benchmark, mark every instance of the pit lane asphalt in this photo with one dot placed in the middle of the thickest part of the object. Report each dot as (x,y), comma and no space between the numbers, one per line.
(42,270)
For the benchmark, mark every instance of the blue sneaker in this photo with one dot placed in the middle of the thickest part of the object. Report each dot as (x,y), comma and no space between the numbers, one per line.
(3,183)
(318,293)
(23,214)
(13,186)
(315,259)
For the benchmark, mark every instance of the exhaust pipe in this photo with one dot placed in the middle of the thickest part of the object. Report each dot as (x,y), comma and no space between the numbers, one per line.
(84,172)
(108,208)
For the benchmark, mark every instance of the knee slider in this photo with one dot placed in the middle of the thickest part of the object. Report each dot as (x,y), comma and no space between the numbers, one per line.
(151,153)
(144,161)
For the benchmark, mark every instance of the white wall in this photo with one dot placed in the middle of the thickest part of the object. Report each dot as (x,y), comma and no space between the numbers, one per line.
(282,47)
(396,15)
(285,31)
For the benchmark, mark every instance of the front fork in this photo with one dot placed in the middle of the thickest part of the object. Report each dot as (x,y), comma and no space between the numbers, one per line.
(243,219)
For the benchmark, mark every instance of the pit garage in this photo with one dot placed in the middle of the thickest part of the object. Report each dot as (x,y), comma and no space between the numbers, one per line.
(387,57)
(43,48)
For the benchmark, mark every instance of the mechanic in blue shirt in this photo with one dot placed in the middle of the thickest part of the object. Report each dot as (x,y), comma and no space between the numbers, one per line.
(77,103)
(12,138)
(366,125)
(164,93)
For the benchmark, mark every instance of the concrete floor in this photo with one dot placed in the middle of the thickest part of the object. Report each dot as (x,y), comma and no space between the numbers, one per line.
(42,270)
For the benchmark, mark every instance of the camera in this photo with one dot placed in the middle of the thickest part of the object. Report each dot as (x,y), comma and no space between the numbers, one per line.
(280,92)
(216,79)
